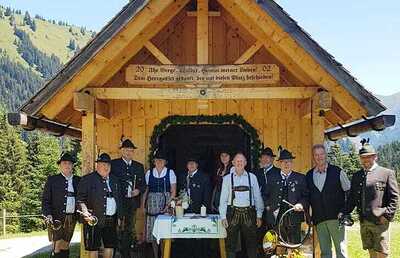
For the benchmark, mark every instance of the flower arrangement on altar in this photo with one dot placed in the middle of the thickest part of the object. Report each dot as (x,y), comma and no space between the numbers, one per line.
(179,204)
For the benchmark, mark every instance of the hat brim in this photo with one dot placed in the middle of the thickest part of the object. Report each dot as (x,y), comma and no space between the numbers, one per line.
(103,161)
(268,154)
(286,158)
(128,147)
(59,161)
(367,154)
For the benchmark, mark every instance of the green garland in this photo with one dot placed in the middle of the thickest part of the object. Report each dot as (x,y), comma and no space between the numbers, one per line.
(255,143)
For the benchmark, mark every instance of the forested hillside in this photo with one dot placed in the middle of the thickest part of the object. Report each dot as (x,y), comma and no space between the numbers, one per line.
(32,49)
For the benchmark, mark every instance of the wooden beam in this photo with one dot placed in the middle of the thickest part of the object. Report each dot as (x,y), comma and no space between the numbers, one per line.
(163,35)
(210,14)
(203,93)
(84,102)
(202,31)
(249,52)
(229,14)
(346,117)
(317,119)
(272,30)
(32,123)
(378,123)
(157,53)
(119,50)
(333,118)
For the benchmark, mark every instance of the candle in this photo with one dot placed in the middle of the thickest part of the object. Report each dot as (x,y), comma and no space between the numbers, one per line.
(203,211)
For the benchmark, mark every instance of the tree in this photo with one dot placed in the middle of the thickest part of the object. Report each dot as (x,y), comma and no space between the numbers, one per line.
(43,153)
(27,19)
(8,11)
(33,25)
(72,44)
(346,160)
(13,164)
(12,20)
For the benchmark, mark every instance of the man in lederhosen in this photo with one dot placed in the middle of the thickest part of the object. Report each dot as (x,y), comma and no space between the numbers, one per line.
(241,207)
(375,193)
(198,187)
(58,203)
(290,186)
(99,195)
(131,175)
(266,167)
(328,185)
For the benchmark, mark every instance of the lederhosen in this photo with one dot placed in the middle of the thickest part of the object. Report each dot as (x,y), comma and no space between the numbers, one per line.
(290,229)
(67,230)
(158,196)
(98,234)
(56,192)
(241,220)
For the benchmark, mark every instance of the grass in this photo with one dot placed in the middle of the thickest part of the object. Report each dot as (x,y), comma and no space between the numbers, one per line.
(355,247)
(15,235)
(73,253)
(353,243)
(31,234)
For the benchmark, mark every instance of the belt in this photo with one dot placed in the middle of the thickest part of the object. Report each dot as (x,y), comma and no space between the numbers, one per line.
(243,208)
(71,194)
(110,195)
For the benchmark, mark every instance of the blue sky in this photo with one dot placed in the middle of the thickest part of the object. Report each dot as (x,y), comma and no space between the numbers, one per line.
(362,35)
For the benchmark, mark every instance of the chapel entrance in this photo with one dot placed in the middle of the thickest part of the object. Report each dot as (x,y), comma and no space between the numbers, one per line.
(204,142)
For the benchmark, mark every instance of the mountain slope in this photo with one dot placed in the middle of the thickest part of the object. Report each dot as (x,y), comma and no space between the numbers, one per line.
(31,51)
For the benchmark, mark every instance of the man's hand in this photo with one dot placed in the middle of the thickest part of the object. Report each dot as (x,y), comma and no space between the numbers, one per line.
(298,207)
(49,219)
(225,223)
(259,222)
(382,220)
(135,192)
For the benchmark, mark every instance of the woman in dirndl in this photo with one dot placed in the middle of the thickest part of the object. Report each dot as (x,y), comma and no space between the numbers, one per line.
(223,168)
(161,187)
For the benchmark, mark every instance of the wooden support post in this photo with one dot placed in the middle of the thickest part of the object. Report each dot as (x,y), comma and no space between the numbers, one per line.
(202,31)
(88,155)
(4,222)
(167,248)
(222,250)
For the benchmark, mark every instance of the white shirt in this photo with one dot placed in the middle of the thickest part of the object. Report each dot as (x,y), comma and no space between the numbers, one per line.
(320,178)
(172,176)
(111,205)
(70,207)
(242,199)
(285,177)
(187,181)
(129,193)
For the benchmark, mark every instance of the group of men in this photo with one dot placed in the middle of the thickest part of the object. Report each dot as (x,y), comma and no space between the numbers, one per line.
(109,196)
(250,203)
